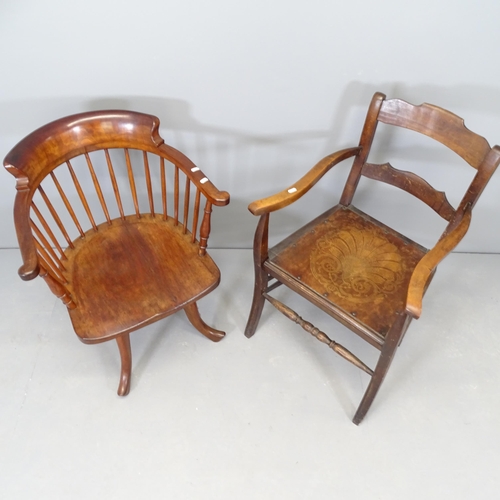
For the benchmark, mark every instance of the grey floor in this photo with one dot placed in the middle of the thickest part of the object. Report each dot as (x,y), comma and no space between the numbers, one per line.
(266,418)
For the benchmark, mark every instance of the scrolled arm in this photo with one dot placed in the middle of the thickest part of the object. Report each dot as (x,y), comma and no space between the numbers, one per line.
(429,262)
(216,197)
(301,187)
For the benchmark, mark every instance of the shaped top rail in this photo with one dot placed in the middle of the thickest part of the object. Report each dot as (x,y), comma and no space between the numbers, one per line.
(63,139)
(34,157)
(439,124)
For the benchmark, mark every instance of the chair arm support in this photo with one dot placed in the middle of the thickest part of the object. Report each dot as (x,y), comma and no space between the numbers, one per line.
(301,187)
(428,263)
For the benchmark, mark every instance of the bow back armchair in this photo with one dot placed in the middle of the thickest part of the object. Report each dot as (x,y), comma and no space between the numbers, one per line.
(116,222)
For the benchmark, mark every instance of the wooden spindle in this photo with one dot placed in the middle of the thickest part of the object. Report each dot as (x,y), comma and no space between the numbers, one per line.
(163,188)
(132,183)
(176,196)
(49,263)
(47,229)
(114,184)
(187,192)
(81,195)
(149,187)
(44,242)
(56,218)
(67,204)
(98,189)
(205,229)
(316,332)
(196,214)
(57,288)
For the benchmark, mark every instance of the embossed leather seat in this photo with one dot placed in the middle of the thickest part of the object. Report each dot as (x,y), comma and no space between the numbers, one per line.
(361,272)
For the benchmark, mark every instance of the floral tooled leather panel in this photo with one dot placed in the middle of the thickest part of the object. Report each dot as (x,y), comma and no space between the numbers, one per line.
(355,262)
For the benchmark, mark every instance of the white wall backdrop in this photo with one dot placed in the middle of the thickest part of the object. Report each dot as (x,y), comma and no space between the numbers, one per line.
(256,92)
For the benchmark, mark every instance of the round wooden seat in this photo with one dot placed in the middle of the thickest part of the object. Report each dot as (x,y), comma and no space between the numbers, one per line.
(132,272)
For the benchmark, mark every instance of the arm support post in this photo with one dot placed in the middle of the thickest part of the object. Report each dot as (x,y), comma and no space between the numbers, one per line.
(429,262)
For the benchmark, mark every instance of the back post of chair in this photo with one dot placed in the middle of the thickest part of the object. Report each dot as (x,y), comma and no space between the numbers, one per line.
(438,124)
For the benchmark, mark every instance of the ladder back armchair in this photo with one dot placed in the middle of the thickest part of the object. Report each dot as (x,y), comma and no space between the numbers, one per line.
(361,272)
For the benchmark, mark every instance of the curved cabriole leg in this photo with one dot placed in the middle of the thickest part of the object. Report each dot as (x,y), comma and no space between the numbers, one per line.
(123,342)
(392,341)
(194,317)
(260,254)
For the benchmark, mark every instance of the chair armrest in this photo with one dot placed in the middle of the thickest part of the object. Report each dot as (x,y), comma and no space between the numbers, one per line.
(197,177)
(301,187)
(216,197)
(29,269)
(428,263)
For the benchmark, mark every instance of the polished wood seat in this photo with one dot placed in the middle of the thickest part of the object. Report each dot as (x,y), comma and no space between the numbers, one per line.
(127,270)
(142,263)
(358,270)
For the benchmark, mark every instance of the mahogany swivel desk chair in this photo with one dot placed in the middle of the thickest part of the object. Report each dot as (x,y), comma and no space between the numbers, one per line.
(118,260)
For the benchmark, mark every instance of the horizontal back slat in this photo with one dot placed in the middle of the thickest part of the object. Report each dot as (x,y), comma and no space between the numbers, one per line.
(438,123)
(413,184)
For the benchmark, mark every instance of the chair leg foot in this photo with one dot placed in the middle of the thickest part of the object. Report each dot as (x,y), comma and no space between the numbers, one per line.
(255,314)
(123,342)
(195,319)
(373,387)
(392,341)
(367,400)
(257,303)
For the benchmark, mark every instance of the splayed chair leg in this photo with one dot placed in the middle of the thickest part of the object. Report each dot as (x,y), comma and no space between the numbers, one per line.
(123,342)
(194,317)
(392,341)
(257,303)
(260,254)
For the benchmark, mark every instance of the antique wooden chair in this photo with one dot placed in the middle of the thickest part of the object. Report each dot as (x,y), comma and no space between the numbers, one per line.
(133,266)
(361,272)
